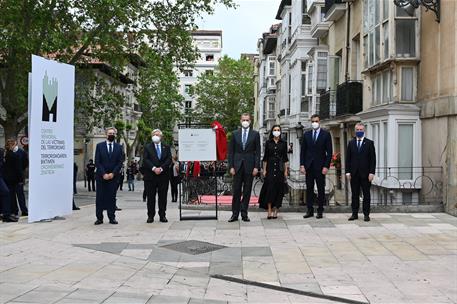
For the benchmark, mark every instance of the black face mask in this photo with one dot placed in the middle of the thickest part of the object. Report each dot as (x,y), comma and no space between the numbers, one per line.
(111,137)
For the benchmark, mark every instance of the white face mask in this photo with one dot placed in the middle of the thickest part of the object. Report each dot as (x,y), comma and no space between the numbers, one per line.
(315,125)
(156,139)
(276,133)
(245,124)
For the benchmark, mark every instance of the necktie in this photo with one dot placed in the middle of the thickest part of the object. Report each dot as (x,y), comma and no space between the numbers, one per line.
(245,135)
(159,153)
(358,144)
(110,149)
(315,136)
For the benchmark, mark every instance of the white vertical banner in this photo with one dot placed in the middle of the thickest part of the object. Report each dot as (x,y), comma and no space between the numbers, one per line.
(51,139)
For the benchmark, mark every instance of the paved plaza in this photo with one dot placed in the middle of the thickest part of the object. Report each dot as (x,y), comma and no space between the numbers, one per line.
(395,258)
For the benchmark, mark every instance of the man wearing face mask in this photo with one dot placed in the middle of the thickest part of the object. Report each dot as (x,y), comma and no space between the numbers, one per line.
(108,161)
(156,163)
(244,164)
(360,170)
(315,157)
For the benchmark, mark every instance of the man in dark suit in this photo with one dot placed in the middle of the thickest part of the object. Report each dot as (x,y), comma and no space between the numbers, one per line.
(315,157)
(16,161)
(244,163)
(108,161)
(156,163)
(5,201)
(360,170)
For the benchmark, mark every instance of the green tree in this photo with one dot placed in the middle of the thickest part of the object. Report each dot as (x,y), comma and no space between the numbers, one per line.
(158,94)
(225,94)
(76,31)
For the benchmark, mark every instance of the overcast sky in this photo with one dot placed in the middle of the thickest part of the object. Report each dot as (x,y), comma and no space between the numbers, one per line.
(243,26)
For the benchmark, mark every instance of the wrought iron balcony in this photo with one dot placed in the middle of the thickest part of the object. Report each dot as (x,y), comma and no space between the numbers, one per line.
(327,104)
(349,98)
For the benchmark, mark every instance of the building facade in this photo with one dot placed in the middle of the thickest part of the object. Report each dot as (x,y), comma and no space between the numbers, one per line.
(437,96)
(371,61)
(125,84)
(209,45)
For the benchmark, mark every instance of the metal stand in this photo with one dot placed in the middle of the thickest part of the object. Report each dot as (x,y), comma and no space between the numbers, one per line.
(196,217)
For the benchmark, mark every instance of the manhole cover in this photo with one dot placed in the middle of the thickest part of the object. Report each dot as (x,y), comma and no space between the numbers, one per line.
(193,247)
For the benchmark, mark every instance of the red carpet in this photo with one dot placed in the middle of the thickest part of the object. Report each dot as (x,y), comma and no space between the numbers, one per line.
(225,200)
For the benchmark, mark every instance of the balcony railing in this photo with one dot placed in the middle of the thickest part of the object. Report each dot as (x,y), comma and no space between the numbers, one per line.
(349,98)
(328,104)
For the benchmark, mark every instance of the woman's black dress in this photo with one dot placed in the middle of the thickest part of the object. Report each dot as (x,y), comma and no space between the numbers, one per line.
(273,187)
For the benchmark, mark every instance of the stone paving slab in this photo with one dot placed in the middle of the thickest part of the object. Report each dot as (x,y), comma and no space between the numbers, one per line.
(395,258)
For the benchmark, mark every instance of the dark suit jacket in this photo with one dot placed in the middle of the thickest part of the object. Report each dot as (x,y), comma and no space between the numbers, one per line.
(317,154)
(250,157)
(150,160)
(15,164)
(362,162)
(106,163)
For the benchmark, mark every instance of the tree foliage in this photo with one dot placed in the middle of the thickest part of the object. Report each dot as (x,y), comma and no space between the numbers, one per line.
(75,31)
(225,94)
(158,93)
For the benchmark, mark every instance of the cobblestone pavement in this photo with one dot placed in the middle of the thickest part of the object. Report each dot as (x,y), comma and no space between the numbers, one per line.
(395,258)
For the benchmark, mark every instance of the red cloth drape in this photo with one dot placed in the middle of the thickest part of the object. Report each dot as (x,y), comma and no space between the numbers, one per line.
(221,140)
(195,166)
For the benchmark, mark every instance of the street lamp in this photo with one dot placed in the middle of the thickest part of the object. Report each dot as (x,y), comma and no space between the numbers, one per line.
(409,6)
(299,129)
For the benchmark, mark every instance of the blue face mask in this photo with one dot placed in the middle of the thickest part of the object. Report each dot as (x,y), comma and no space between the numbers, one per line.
(359,134)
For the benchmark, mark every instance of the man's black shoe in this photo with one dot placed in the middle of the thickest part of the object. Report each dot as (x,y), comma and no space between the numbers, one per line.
(98,222)
(114,222)
(319,216)
(353,217)
(245,219)
(163,220)
(366,218)
(150,220)
(76,208)
(308,214)
(10,219)
(118,209)
(233,219)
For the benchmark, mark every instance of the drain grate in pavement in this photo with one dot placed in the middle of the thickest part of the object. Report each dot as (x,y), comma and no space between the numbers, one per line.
(193,247)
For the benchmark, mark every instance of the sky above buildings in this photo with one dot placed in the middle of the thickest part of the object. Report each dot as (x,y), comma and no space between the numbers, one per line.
(243,26)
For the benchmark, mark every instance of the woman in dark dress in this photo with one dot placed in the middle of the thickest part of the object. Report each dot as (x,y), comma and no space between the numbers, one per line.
(275,163)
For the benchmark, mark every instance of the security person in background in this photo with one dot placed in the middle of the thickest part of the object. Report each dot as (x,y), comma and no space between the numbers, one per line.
(90,174)
(360,170)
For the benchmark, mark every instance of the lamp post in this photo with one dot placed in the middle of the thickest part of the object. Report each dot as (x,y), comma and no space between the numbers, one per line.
(411,5)
(299,129)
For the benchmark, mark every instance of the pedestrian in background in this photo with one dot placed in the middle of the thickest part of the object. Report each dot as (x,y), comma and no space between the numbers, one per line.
(90,174)
(75,175)
(16,161)
(121,178)
(360,170)
(275,163)
(131,176)
(175,179)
